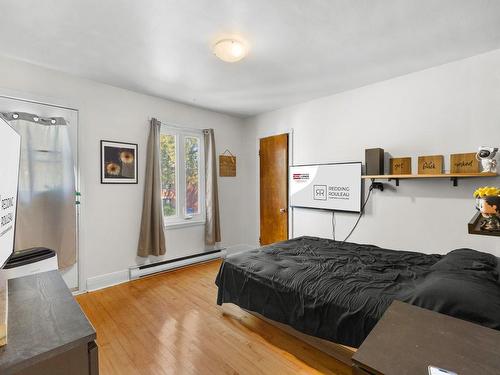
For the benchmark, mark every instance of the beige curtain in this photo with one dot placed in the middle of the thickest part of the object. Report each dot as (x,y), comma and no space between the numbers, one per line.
(152,235)
(212,225)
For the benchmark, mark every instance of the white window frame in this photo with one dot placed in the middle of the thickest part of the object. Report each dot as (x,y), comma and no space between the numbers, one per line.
(181,218)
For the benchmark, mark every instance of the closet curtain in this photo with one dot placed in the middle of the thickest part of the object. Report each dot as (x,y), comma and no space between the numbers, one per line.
(212,223)
(152,235)
(46,212)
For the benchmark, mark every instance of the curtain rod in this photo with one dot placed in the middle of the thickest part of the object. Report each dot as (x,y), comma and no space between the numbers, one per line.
(11,116)
(173,125)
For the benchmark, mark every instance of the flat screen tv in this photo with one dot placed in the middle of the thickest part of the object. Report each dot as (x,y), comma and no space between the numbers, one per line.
(334,186)
(10,151)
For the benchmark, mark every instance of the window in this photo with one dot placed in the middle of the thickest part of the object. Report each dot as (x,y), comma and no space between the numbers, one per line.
(182,176)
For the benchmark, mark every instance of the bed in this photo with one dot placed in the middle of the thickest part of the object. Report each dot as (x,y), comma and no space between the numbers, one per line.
(337,291)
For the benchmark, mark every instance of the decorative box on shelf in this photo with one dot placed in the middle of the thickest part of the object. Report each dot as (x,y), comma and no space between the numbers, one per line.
(464,163)
(432,164)
(400,165)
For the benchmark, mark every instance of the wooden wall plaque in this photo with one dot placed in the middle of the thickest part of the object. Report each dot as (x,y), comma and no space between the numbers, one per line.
(432,164)
(464,163)
(400,165)
(227,166)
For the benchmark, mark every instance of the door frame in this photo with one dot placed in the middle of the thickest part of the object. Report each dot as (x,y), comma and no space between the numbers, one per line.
(70,106)
(290,132)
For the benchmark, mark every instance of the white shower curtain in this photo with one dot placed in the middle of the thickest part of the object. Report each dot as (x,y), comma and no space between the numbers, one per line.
(46,201)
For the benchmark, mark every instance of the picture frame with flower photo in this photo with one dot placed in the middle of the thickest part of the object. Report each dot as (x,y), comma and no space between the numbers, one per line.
(118,162)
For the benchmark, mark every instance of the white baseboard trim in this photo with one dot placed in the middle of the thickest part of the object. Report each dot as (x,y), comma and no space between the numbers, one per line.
(122,276)
(137,272)
(106,280)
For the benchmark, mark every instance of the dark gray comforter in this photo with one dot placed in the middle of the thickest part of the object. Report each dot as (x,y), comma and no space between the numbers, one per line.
(338,291)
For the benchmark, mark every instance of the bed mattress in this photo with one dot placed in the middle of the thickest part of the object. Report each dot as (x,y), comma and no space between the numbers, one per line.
(338,290)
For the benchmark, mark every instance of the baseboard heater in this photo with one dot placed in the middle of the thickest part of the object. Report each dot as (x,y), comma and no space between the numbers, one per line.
(169,265)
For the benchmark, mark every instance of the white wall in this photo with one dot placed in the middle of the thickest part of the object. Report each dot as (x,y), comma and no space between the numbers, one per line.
(447,109)
(111,213)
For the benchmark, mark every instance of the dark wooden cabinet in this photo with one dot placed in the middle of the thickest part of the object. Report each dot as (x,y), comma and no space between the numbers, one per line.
(408,339)
(47,331)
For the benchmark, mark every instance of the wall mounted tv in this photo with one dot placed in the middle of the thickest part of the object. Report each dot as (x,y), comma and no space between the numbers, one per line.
(335,186)
(10,150)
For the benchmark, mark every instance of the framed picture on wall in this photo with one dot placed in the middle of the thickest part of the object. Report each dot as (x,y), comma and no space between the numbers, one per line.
(118,162)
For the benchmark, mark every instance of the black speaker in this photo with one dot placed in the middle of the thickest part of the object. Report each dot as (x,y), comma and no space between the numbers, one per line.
(374,161)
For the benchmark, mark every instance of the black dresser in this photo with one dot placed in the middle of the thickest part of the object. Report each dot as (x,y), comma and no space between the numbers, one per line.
(47,331)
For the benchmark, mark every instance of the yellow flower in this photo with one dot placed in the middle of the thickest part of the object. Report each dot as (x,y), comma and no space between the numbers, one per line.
(113,169)
(126,157)
(487,191)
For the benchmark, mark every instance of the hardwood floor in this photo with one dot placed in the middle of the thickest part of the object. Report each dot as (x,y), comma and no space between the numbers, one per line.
(170,324)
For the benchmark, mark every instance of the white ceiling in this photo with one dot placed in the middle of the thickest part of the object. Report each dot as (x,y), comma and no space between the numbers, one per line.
(300,49)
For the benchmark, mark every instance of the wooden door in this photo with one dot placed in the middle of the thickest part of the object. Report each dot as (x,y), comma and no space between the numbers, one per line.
(273,156)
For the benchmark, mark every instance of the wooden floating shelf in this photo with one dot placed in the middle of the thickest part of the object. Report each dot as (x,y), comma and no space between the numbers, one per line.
(452,176)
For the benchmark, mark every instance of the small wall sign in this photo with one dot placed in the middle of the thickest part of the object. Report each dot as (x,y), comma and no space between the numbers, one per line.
(227,165)
(464,163)
(432,164)
(400,165)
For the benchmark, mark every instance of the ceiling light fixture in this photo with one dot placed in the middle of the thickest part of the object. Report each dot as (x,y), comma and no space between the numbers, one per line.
(230,50)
